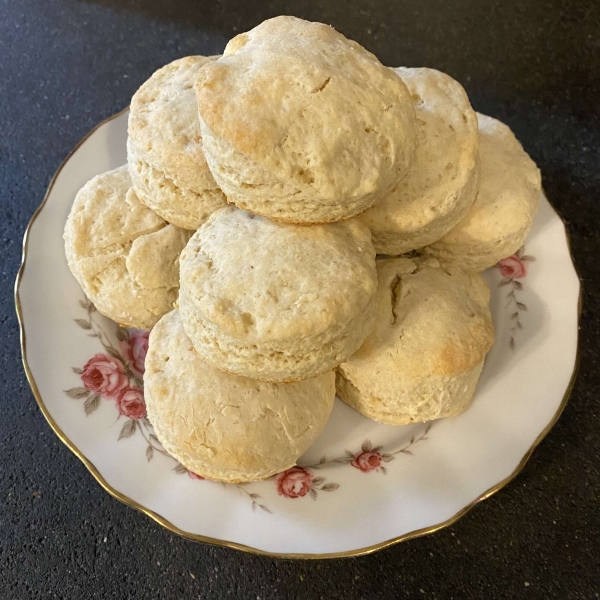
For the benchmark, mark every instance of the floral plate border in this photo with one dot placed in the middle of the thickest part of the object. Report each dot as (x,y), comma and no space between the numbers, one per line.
(200,538)
(117,375)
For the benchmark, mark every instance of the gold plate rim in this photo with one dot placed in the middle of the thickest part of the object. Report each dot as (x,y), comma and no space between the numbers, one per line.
(234,545)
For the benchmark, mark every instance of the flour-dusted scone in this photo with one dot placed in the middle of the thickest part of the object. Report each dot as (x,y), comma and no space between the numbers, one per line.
(501,217)
(273,301)
(423,358)
(225,427)
(124,256)
(441,185)
(164,147)
(303,125)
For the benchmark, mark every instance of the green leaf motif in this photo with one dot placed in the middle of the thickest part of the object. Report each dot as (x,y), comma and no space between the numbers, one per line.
(149,452)
(83,323)
(91,404)
(113,353)
(121,334)
(128,429)
(329,487)
(77,393)
(180,469)
(77,370)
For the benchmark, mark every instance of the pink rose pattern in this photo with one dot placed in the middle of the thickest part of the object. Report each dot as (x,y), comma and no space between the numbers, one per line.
(294,483)
(367,461)
(513,268)
(130,403)
(134,349)
(300,481)
(104,375)
(117,375)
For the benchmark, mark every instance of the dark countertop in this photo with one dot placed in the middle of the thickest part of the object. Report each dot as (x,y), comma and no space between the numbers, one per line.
(65,65)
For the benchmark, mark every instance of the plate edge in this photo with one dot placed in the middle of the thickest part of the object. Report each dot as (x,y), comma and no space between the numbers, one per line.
(234,545)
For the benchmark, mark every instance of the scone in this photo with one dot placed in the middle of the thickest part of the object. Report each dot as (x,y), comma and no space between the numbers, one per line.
(302,125)
(273,301)
(441,185)
(508,198)
(164,147)
(423,359)
(124,256)
(224,427)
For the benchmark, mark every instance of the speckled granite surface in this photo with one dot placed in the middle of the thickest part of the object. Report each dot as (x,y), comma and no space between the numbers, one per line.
(66,65)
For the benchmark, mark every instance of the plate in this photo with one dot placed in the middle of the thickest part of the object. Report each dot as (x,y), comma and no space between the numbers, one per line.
(362,486)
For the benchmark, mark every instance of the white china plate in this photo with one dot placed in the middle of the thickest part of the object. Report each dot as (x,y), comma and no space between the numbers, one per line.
(377,484)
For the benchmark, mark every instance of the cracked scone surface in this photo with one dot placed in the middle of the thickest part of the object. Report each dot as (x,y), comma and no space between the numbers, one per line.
(225,427)
(509,194)
(302,125)
(424,356)
(442,183)
(274,301)
(124,256)
(164,147)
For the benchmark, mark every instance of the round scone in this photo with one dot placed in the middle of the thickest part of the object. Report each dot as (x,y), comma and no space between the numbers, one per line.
(501,217)
(423,358)
(224,427)
(124,256)
(274,301)
(302,125)
(440,187)
(164,147)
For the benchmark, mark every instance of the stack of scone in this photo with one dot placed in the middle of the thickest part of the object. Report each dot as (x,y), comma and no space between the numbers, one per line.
(244,230)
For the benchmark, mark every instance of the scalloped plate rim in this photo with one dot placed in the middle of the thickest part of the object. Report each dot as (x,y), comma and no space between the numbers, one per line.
(231,544)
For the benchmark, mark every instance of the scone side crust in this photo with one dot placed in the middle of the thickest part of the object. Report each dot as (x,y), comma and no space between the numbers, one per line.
(393,243)
(163,124)
(105,222)
(458,397)
(164,146)
(475,256)
(424,355)
(276,363)
(422,207)
(508,198)
(225,427)
(184,207)
(268,283)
